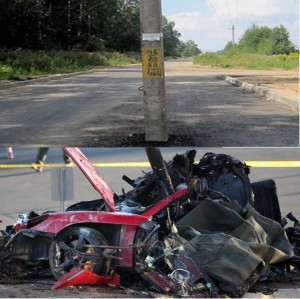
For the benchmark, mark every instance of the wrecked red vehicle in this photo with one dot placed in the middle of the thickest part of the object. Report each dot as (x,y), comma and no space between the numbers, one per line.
(179,230)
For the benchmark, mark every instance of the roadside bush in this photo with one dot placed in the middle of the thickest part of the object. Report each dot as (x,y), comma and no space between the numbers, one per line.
(294,56)
(5,70)
(95,59)
(282,57)
(25,63)
(94,44)
(249,61)
(116,58)
(211,59)
(42,62)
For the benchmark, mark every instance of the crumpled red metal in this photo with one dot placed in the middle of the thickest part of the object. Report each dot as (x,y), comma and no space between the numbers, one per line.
(80,276)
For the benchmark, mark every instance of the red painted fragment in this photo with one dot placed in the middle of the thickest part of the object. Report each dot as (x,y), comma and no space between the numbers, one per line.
(79,276)
(92,175)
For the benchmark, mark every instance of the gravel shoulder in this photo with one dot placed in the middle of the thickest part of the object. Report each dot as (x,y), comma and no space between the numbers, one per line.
(285,82)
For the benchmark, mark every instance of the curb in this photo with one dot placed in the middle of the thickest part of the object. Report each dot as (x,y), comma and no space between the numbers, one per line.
(262,92)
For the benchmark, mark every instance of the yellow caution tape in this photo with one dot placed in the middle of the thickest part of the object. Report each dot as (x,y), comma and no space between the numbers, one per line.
(261,164)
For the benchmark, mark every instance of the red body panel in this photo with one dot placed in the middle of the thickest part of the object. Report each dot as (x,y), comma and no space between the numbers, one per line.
(162,204)
(61,220)
(126,242)
(55,222)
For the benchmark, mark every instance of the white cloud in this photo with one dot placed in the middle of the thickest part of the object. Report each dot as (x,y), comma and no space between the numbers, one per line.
(228,9)
(188,21)
(211,29)
(194,26)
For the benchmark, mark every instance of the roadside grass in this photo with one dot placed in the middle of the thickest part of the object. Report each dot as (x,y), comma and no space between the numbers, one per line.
(249,61)
(22,64)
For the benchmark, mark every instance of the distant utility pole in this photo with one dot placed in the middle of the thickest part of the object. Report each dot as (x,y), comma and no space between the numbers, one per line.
(233,36)
(69,24)
(155,112)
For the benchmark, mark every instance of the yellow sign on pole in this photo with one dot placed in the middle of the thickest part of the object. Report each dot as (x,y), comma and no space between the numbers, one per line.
(152,63)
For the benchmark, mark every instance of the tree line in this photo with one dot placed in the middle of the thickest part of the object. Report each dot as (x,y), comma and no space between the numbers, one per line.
(89,25)
(263,40)
(97,25)
(69,24)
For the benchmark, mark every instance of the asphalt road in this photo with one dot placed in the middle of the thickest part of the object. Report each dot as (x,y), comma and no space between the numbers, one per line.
(23,189)
(64,110)
(105,108)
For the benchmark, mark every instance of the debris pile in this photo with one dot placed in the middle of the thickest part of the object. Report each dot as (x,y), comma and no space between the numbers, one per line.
(186,228)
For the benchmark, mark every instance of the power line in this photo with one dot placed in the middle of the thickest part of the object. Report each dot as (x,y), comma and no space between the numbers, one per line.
(233,19)
(236,13)
(236,16)
(211,4)
(232,22)
(229,13)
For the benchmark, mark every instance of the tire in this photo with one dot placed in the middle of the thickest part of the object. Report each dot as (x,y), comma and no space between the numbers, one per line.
(62,262)
(266,199)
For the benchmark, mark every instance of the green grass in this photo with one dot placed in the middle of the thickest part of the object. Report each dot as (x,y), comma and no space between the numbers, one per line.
(249,61)
(21,64)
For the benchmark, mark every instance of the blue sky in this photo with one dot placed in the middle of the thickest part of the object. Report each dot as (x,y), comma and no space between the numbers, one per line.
(209,22)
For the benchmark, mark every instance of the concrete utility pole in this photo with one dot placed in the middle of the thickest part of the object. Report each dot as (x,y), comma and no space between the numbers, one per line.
(155,112)
(233,38)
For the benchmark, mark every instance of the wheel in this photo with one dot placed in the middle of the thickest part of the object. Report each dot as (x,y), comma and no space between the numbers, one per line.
(266,199)
(67,251)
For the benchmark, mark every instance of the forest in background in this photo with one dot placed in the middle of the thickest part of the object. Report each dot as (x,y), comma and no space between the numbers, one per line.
(51,36)
(94,25)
